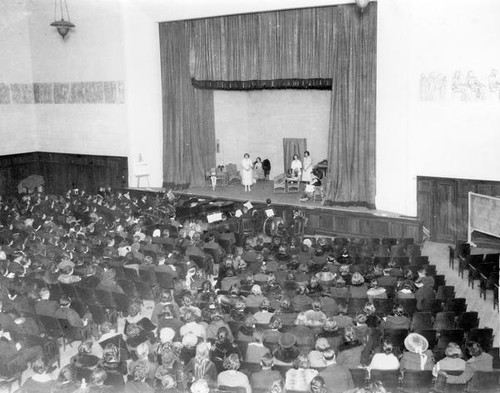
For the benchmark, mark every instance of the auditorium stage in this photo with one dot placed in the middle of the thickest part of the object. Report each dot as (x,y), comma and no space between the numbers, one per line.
(321,220)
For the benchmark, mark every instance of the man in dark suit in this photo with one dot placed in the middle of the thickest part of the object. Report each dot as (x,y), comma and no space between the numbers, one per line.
(425,292)
(265,378)
(45,306)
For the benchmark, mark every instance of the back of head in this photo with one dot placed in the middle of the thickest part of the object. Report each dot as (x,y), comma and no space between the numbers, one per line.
(232,362)
(267,360)
(387,347)
(302,361)
(40,366)
(453,350)
(67,374)
(474,348)
(98,376)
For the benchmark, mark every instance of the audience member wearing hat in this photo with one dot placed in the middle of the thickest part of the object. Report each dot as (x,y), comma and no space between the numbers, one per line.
(115,367)
(300,376)
(479,361)
(221,348)
(84,361)
(231,376)
(417,355)
(287,351)
(216,323)
(172,368)
(273,334)
(350,351)
(140,373)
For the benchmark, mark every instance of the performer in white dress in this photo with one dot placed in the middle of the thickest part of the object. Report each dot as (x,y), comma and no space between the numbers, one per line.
(307,167)
(296,166)
(247,178)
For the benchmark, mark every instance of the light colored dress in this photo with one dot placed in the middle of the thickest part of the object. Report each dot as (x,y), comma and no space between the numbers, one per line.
(247,178)
(308,167)
(296,166)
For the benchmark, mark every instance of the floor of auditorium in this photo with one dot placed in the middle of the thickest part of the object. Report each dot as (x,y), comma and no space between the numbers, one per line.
(438,255)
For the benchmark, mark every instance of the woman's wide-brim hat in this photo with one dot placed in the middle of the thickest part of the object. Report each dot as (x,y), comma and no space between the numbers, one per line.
(287,340)
(416,343)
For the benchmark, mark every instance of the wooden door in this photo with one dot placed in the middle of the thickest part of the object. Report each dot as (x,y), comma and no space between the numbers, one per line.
(445,210)
(425,202)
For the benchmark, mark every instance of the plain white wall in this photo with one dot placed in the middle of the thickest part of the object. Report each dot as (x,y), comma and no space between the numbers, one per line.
(17,121)
(441,137)
(256,122)
(92,52)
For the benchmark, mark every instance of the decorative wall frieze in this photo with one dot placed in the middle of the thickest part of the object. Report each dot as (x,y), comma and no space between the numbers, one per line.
(90,92)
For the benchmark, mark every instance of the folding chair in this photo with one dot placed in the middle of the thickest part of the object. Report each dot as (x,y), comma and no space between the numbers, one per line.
(450,335)
(468,320)
(483,336)
(383,306)
(457,305)
(445,292)
(421,320)
(11,373)
(410,305)
(444,320)
(430,335)
(359,377)
(417,381)
(485,382)
(396,336)
(389,378)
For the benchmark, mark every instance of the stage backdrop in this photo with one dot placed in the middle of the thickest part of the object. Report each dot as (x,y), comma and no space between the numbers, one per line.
(309,48)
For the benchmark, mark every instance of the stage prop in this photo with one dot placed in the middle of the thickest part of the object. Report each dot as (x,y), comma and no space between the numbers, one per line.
(296,49)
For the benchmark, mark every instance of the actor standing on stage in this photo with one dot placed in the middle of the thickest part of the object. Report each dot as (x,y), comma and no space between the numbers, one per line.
(307,167)
(247,178)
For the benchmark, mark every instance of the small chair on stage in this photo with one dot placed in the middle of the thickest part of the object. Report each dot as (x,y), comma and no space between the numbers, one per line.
(279,184)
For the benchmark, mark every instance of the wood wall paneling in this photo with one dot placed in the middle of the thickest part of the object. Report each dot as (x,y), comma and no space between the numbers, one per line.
(442,204)
(63,171)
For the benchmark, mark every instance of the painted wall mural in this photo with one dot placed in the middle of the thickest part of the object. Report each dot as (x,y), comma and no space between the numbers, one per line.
(460,86)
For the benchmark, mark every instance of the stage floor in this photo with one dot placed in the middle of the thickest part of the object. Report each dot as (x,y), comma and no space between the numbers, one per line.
(263,190)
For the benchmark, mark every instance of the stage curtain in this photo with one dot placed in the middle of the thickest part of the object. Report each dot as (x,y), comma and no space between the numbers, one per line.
(351,145)
(188,113)
(280,49)
(293,146)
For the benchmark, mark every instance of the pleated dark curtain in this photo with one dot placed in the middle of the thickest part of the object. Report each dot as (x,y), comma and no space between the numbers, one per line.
(293,146)
(188,113)
(328,47)
(351,145)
